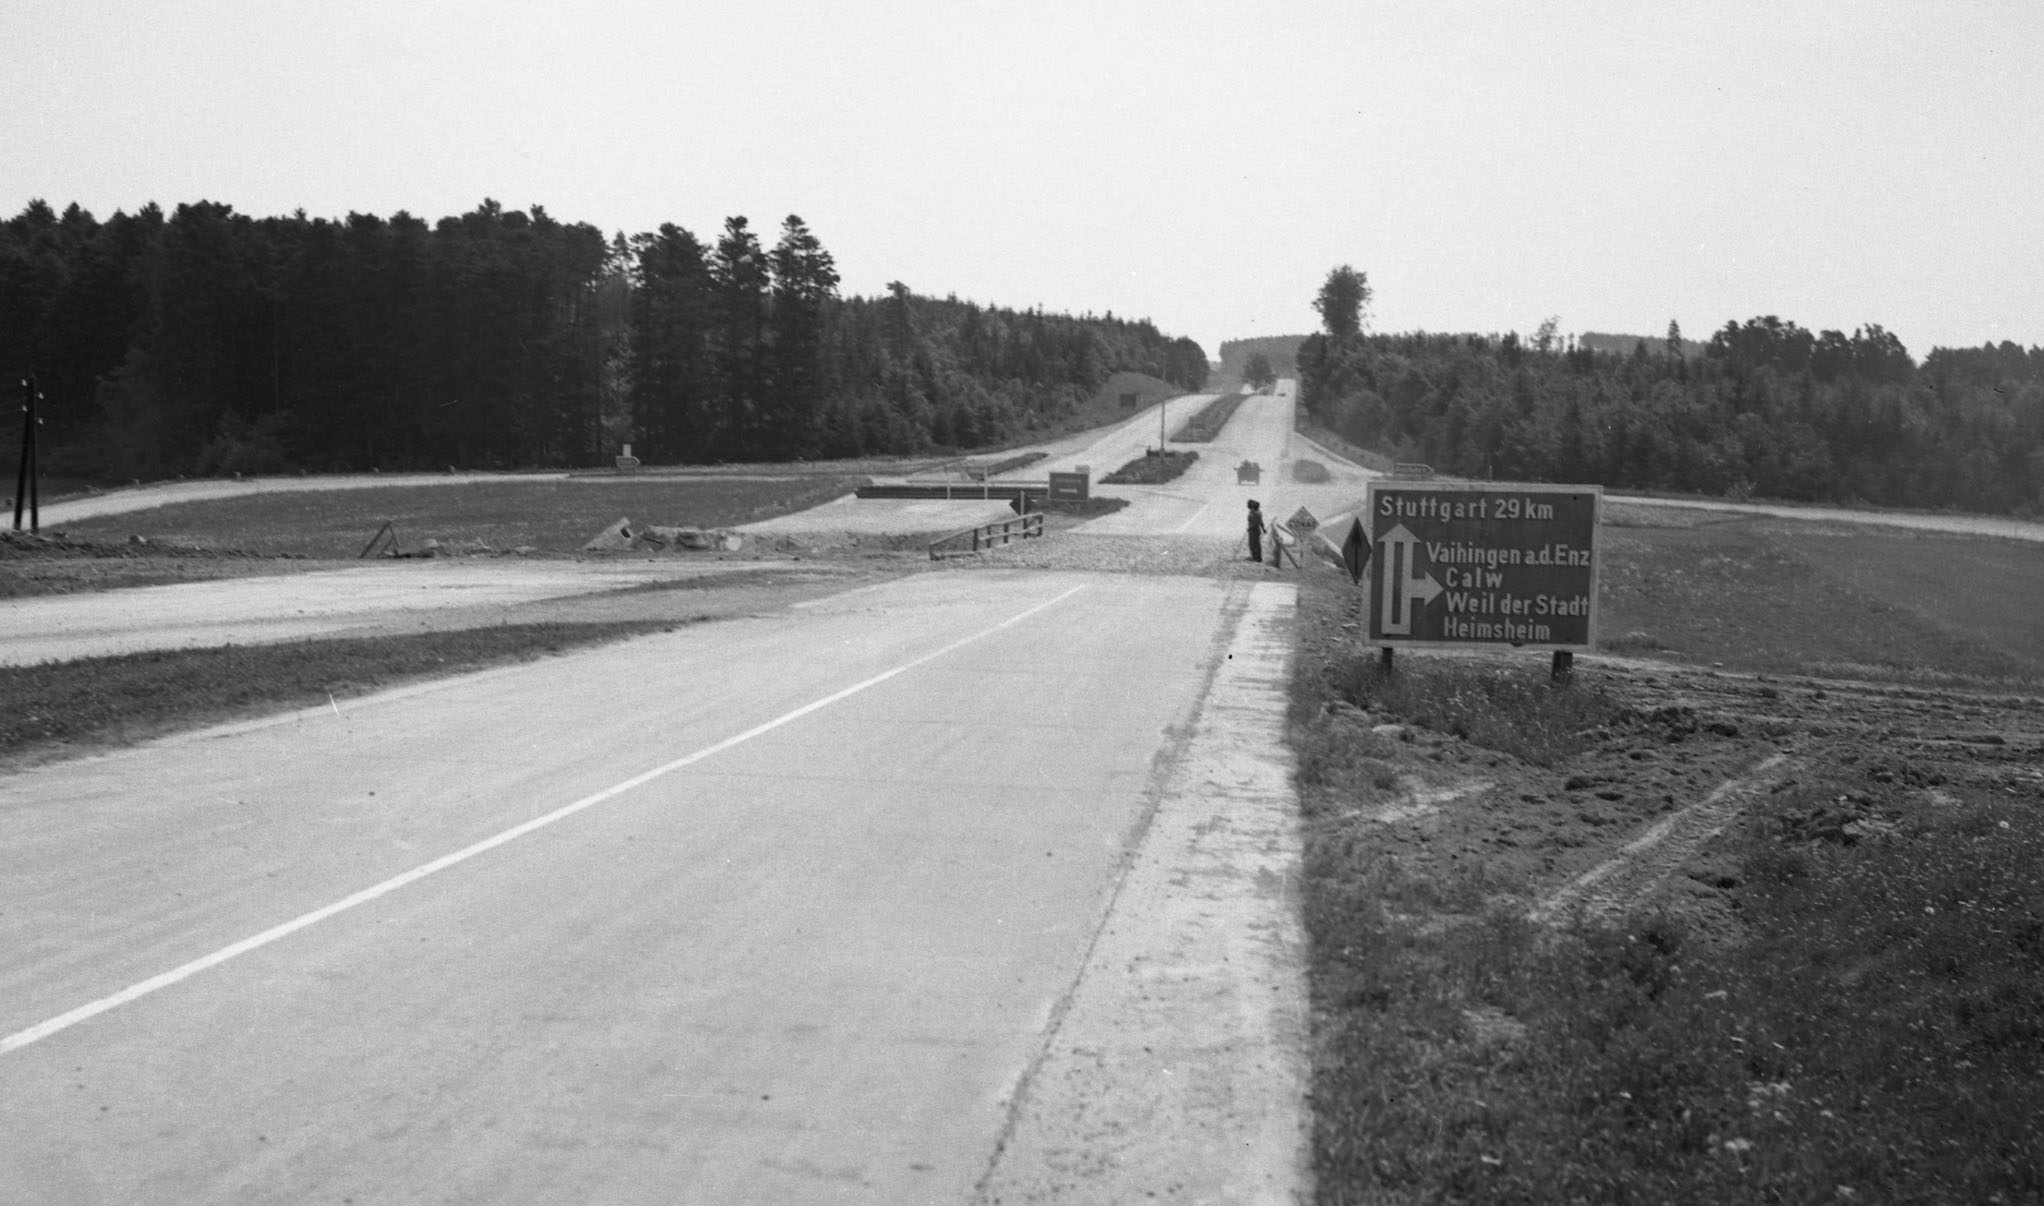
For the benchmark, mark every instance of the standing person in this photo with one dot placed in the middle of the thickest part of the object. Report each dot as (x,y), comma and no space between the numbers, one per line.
(1255,532)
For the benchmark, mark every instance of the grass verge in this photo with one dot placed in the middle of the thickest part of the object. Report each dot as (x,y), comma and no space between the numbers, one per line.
(1510,707)
(1869,1027)
(547,515)
(1204,426)
(1151,469)
(1777,596)
(81,705)
(1009,464)
(1083,508)
(1876,1041)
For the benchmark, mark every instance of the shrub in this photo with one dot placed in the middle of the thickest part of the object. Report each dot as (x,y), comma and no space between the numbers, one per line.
(1151,468)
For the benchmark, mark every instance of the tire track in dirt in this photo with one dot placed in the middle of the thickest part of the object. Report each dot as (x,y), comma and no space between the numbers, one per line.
(1646,861)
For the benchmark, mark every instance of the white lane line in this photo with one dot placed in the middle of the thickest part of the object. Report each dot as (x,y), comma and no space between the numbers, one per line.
(65,1021)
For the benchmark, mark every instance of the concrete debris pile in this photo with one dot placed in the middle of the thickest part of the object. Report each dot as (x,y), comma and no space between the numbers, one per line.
(841,541)
(621,536)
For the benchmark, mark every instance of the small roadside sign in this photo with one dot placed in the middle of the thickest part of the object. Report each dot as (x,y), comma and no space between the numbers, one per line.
(1302,521)
(1070,487)
(1355,551)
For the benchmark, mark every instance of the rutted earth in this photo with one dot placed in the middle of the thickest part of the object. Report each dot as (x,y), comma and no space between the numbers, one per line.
(1634,821)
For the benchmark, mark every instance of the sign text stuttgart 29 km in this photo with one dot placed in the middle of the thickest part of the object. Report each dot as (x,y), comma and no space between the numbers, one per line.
(1483,564)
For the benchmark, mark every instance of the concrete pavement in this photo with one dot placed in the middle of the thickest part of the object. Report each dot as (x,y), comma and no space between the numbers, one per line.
(1105,451)
(785,909)
(1208,500)
(1178,1071)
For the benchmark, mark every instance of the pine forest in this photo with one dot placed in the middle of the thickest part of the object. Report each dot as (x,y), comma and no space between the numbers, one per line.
(209,342)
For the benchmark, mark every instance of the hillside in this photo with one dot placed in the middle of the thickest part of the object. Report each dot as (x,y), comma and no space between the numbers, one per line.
(1104,408)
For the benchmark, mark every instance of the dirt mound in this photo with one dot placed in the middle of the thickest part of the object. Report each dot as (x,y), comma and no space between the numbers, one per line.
(840,542)
(623,536)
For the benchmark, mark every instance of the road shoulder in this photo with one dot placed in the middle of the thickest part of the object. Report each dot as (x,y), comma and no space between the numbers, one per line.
(1178,1070)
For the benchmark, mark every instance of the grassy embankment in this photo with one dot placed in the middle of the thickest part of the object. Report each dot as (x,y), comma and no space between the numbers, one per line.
(95,702)
(1874,1029)
(1326,438)
(1102,409)
(82,704)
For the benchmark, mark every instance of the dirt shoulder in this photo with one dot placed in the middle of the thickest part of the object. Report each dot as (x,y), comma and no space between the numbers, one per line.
(55,564)
(1685,747)
(1672,933)
(1174,1070)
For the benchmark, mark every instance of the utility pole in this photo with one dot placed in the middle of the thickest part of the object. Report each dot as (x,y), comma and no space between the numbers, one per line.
(27,486)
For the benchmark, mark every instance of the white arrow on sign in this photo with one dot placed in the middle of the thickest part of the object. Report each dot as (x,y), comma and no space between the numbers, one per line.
(1402,588)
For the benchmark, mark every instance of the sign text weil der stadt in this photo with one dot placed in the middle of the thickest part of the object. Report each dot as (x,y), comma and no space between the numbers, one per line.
(1483,564)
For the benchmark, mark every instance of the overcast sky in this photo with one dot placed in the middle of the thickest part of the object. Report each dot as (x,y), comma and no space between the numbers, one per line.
(1199,164)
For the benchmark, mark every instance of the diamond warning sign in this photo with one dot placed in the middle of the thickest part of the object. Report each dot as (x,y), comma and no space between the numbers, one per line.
(1481,564)
(1302,521)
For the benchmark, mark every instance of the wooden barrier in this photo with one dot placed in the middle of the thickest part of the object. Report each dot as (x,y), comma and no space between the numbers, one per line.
(1020,495)
(987,535)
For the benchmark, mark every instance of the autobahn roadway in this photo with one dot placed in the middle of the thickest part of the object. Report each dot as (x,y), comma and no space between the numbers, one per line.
(969,886)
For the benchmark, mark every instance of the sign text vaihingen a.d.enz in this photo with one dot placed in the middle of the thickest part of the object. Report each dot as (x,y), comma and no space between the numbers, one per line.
(1483,563)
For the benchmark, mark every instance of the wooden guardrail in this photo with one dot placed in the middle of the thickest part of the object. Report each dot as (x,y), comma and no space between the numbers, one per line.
(987,535)
(1026,494)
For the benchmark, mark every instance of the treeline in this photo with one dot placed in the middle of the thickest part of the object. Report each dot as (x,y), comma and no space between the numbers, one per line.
(206,342)
(1599,341)
(1769,410)
(1280,352)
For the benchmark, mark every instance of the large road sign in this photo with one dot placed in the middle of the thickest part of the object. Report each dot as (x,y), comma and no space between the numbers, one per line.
(1483,564)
